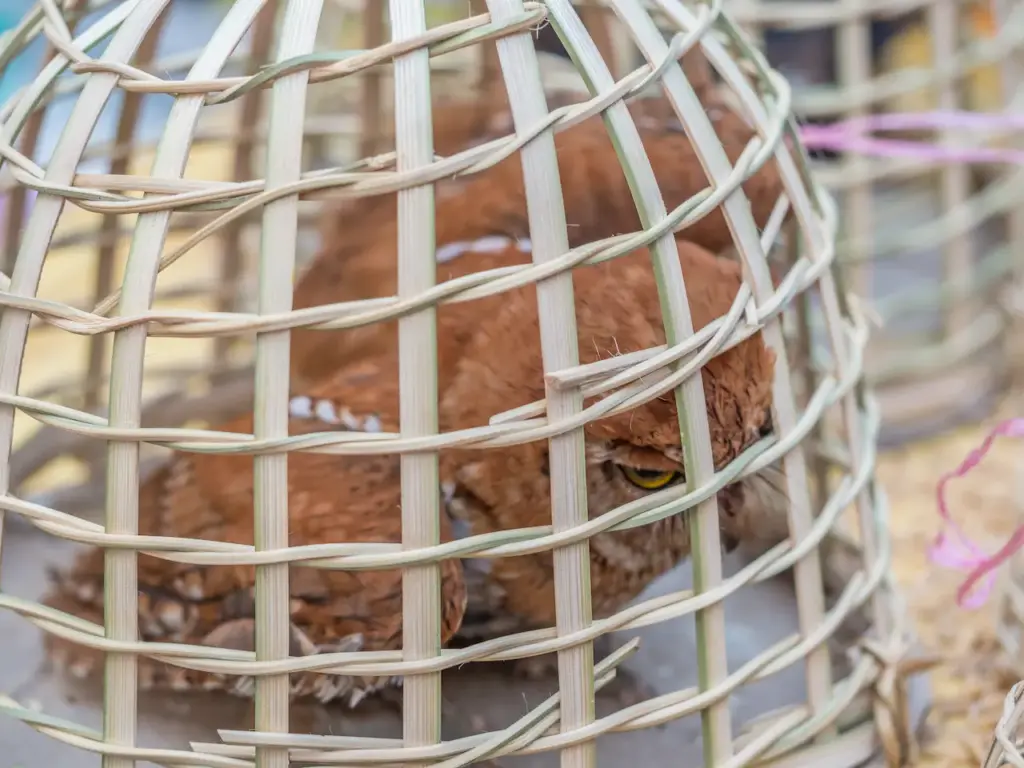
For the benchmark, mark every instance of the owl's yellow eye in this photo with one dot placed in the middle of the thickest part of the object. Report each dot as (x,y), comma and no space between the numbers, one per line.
(648,479)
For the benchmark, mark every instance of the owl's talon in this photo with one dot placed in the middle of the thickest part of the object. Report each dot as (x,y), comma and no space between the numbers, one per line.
(329,687)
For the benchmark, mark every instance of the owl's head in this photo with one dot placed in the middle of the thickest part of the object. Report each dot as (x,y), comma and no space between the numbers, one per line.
(628,455)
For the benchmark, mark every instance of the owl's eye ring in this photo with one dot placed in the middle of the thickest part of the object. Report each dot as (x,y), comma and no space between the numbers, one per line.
(649,479)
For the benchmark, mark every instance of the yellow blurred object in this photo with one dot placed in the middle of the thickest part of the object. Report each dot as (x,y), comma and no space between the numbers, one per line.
(913,49)
(53,356)
(350,33)
(345,25)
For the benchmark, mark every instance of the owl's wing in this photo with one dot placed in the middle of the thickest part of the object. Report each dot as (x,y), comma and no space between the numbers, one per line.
(331,499)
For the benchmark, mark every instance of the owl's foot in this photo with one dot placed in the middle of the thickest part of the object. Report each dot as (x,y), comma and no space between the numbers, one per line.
(83,598)
(325,688)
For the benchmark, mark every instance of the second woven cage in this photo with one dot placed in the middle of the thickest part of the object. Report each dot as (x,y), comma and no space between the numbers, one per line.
(793,694)
(933,245)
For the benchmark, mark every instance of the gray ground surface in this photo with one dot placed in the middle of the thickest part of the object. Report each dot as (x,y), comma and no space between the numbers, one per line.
(666,660)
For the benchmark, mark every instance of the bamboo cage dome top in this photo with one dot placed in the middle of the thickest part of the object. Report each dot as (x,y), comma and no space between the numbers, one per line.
(102,51)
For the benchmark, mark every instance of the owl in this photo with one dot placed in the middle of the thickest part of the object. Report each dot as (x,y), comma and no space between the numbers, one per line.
(493,365)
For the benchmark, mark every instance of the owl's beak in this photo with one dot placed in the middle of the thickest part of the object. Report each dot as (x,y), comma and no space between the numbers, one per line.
(730,499)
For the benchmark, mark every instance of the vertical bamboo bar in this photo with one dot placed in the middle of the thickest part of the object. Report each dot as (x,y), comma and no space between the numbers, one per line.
(18,196)
(42,222)
(707,553)
(833,292)
(596,18)
(804,352)
(944,22)
(559,349)
(802,360)
(120,572)
(489,80)
(417,345)
(126,376)
(1012,76)
(853,69)
(232,263)
(270,472)
(692,410)
(757,33)
(103,280)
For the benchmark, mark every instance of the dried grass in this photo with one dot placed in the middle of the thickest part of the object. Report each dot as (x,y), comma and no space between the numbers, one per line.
(970,687)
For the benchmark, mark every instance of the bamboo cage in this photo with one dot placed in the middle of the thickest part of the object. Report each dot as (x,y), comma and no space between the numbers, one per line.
(934,248)
(759,670)
(1006,741)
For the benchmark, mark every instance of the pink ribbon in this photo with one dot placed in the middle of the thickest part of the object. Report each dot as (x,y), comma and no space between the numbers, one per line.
(954,549)
(854,135)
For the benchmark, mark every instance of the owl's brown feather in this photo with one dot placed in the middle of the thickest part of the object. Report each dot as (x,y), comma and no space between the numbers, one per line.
(335,498)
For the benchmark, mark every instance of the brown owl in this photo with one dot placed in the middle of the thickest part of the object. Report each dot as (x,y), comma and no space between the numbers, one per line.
(494,366)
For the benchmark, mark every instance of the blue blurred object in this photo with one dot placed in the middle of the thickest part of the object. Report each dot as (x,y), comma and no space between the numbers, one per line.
(22,69)
(187,23)
(884,31)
